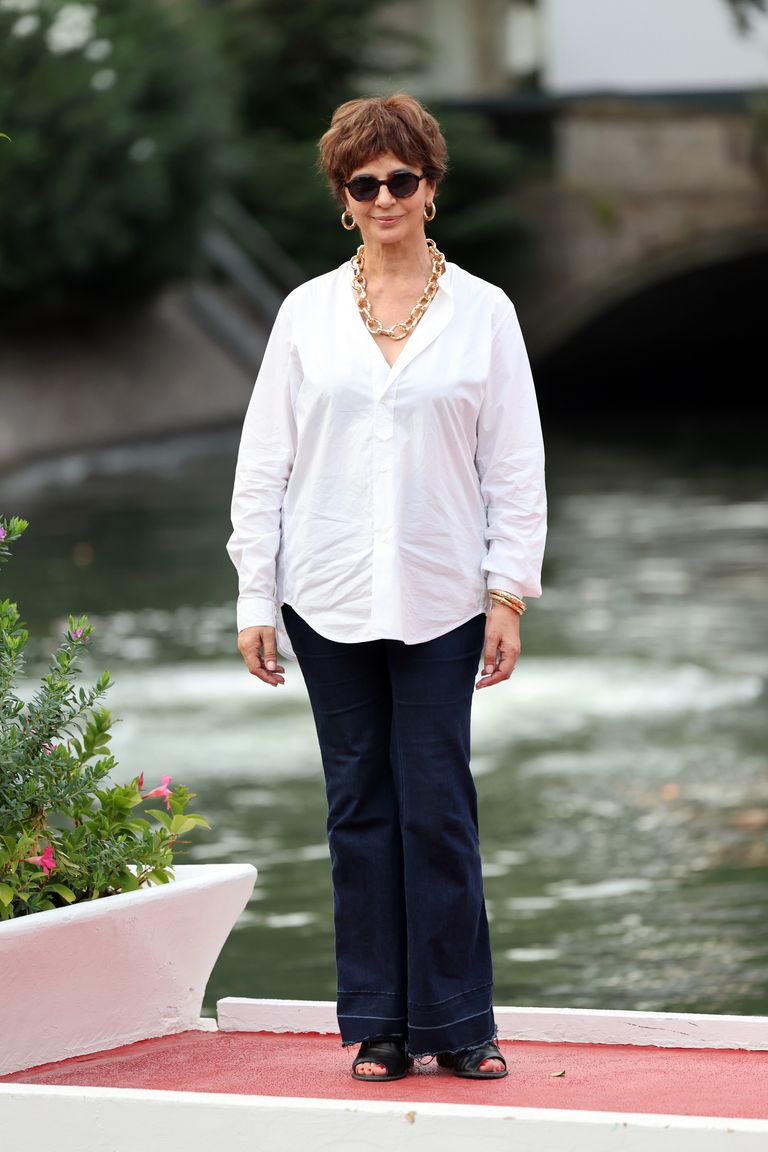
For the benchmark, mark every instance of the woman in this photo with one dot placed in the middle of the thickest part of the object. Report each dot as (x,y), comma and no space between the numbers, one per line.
(389,517)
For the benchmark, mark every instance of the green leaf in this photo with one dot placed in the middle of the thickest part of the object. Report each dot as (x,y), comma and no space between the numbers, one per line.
(161,816)
(193,818)
(182,824)
(61,890)
(138,826)
(6,892)
(158,876)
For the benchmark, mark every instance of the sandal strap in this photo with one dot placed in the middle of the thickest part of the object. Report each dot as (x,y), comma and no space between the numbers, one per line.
(470,1059)
(390,1053)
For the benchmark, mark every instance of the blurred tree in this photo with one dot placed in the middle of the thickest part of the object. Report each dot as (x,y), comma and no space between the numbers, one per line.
(745,11)
(757,102)
(118,113)
(293,65)
(478,224)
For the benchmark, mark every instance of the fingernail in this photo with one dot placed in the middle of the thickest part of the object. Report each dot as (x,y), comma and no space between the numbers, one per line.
(488,670)
(271,664)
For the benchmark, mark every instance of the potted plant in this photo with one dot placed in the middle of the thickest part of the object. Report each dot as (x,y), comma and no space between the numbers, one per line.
(102,939)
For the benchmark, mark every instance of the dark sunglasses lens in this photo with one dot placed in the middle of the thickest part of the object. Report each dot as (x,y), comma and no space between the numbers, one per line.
(403,184)
(363,188)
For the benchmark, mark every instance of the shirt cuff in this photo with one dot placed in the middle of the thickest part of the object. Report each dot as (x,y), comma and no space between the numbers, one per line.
(504,584)
(255,611)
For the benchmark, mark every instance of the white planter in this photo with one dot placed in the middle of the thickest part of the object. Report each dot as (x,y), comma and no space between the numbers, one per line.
(108,972)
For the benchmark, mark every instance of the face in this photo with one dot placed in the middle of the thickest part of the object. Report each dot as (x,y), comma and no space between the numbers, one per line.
(389,219)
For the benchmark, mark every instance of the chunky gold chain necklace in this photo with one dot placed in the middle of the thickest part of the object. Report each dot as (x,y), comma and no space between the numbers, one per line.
(401,330)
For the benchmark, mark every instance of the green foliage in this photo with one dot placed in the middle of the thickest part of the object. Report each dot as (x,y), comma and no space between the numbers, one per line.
(293,65)
(295,62)
(126,118)
(280,185)
(757,106)
(745,11)
(119,116)
(66,833)
(477,225)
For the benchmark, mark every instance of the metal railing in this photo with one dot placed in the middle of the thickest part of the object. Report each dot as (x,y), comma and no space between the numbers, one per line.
(250,276)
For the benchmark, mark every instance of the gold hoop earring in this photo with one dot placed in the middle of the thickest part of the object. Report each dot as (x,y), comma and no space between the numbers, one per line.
(347,227)
(428,216)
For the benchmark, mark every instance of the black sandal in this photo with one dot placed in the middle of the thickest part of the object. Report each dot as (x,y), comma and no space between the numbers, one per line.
(467,1062)
(381,1050)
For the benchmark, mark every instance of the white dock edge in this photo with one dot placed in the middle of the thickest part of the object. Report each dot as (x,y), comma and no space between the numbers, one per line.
(557,1025)
(83,1119)
(106,1120)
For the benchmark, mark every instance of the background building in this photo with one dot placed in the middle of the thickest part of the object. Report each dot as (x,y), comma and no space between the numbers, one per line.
(482,48)
(649,45)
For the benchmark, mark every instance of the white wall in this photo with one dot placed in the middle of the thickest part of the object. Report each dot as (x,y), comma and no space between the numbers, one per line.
(650,45)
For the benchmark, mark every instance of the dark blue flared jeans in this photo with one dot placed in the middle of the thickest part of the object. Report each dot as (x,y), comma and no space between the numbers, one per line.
(413,956)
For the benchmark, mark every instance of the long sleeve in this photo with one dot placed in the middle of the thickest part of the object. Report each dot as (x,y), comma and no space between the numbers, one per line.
(265,457)
(510,464)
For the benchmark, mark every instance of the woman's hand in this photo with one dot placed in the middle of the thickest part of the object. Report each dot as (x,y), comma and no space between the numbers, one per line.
(502,639)
(258,647)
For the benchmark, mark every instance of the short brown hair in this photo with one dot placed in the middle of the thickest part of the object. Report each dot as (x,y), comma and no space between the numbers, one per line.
(362,129)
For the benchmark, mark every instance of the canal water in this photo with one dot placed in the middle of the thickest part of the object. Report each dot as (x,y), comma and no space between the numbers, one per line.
(621,771)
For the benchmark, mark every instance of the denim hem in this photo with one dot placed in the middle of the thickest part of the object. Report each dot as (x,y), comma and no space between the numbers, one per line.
(448,1024)
(458,996)
(373,1036)
(464,1047)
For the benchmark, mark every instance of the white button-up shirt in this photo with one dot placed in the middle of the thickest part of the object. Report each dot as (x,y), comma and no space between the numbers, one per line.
(383,501)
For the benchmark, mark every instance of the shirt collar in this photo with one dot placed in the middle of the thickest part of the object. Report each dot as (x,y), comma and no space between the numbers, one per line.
(445,283)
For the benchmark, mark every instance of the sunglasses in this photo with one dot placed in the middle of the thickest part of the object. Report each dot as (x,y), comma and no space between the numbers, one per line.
(401,185)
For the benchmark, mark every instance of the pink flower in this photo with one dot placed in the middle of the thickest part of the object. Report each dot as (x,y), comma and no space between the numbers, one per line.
(140,782)
(48,747)
(76,633)
(163,790)
(3,533)
(46,861)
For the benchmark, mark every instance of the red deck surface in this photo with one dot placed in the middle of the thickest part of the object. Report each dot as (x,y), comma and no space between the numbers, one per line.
(601,1077)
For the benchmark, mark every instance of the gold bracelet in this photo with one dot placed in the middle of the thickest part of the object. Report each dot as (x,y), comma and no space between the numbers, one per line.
(506,604)
(507,595)
(508,599)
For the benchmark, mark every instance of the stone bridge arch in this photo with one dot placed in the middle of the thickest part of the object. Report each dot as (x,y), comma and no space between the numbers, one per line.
(641,193)
(576,307)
